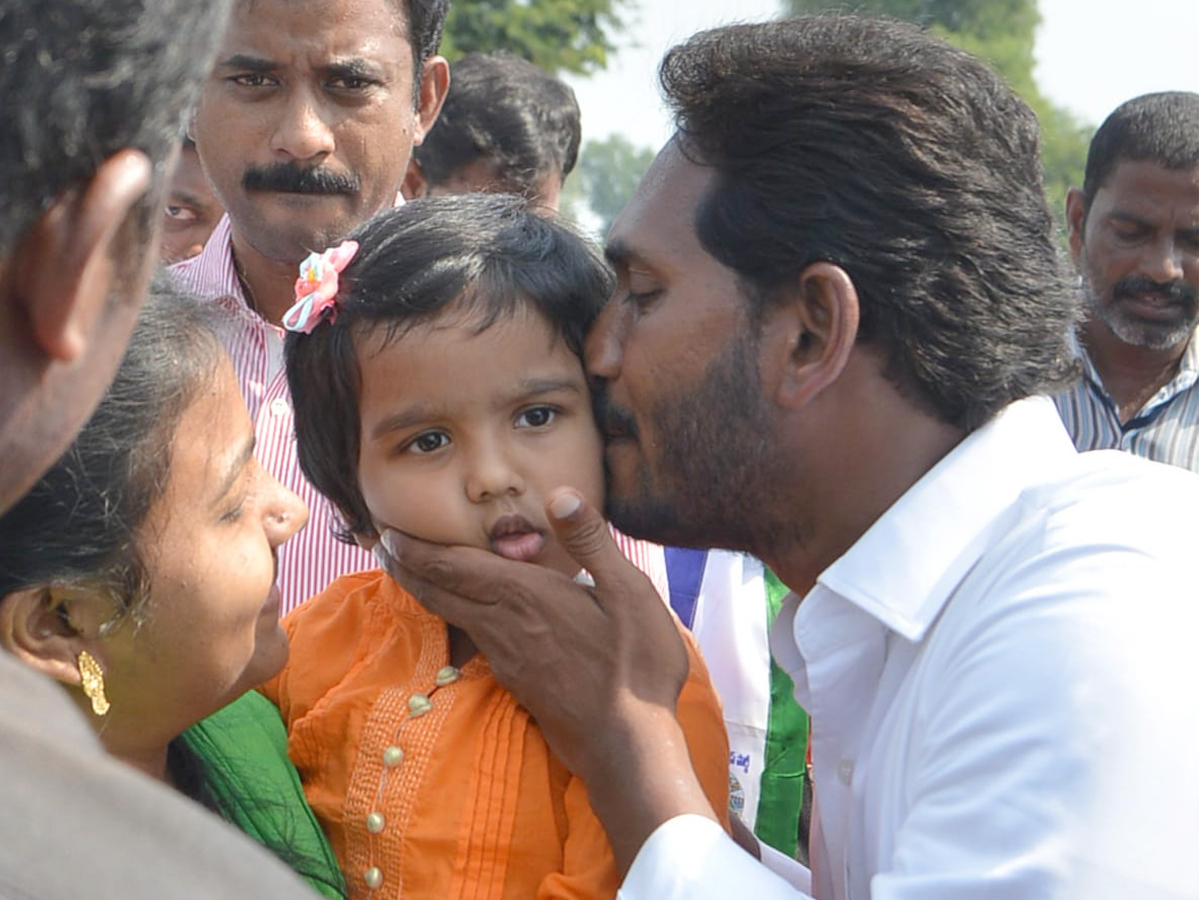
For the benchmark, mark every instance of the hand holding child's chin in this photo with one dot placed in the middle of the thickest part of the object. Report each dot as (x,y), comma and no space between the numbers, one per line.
(533,624)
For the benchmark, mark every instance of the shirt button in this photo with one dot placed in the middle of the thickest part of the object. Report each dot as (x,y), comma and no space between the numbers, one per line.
(279,407)
(375,823)
(373,877)
(393,756)
(418,705)
(845,770)
(447,675)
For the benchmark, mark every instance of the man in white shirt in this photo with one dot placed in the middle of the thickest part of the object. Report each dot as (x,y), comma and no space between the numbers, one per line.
(838,300)
(1133,232)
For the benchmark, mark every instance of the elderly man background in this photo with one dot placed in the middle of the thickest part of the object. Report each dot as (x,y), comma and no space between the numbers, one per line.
(1132,230)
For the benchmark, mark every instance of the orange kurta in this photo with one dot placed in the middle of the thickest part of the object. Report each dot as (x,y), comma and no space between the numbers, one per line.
(469,801)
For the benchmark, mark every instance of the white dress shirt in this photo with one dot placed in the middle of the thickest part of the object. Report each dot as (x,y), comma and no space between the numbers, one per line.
(1002,684)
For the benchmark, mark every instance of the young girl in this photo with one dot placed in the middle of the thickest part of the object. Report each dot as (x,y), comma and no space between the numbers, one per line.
(439,390)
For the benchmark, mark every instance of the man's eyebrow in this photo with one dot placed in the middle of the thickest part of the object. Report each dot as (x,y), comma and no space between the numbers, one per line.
(355,67)
(249,63)
(617,252)
(185,198)
(1126,215)
(234,470)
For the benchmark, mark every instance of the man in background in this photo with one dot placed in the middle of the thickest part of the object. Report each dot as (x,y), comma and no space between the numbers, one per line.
(1132,230)
(96,94)
(304,130)
(192,210)
(507,126)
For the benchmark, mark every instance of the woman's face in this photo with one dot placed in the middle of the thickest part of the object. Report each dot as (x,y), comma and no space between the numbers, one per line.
(210,626)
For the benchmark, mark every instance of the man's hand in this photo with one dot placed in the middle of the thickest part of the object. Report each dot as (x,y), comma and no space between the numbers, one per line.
(600,668)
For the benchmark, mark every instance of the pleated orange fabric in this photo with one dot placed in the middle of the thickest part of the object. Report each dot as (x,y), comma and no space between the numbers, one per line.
(432,782)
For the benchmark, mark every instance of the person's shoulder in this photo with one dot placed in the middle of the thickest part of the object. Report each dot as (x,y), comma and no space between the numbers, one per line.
(1121,494)
(346,596)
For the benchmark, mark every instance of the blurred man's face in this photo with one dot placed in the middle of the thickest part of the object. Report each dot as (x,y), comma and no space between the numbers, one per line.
(1136,251)
(192,210)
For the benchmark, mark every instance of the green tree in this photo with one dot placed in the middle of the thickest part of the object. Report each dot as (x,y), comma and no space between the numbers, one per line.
(1003,33)
(604,179)
(558,35)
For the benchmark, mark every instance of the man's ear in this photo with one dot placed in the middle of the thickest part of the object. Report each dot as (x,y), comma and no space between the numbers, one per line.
(37,626)
(414,184)
(812,333)
(66,265)
(435,82)
(1076,216)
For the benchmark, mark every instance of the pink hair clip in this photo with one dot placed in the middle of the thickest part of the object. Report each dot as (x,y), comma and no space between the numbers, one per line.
(317,287)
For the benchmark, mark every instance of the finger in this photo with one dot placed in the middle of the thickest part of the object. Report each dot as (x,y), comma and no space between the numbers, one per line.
(438,576)
(584,533)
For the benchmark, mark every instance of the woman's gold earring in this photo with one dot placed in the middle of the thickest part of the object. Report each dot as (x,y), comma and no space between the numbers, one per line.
(92,677)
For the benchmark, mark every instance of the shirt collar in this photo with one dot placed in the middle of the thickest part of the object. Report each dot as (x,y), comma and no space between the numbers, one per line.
(906,566)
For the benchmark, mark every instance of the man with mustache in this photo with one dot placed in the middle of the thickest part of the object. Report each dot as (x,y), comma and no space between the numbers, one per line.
(839,309)
(304,130)
(1132,232)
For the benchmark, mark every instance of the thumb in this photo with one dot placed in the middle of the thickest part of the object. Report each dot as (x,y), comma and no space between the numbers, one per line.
(584,533)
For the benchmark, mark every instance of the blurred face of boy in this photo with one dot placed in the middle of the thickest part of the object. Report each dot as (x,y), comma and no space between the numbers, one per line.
(464,433)
(192,210)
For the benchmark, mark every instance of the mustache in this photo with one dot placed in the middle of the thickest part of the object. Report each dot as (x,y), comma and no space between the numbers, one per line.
(288,179)
(612,420)
(1179,292)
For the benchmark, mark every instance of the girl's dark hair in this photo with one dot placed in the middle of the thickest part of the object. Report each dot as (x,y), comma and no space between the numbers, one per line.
(79,523)
(484,255)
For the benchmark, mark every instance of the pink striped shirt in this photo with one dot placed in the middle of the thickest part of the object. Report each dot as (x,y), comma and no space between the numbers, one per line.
(314,557)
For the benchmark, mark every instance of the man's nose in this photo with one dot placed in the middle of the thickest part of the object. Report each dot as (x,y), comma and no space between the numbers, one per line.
(304,131)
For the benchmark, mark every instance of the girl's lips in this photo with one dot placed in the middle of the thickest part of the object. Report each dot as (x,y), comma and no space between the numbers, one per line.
(521,546)
(515,537)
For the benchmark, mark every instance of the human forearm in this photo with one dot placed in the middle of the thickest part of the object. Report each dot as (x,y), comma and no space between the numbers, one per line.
(639,775)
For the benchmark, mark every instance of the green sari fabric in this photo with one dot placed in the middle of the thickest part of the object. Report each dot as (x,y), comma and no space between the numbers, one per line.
(243,750)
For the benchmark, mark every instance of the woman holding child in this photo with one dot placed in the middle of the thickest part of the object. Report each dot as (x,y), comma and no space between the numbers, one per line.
(140,573)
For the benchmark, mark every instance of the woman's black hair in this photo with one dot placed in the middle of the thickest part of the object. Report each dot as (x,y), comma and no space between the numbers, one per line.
(79,524)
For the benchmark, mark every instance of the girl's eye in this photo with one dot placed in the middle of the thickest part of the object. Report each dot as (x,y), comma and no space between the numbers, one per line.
(536,417)
(428,442)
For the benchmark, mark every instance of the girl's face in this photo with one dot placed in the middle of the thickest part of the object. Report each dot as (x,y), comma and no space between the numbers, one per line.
(210,628)
(465,433)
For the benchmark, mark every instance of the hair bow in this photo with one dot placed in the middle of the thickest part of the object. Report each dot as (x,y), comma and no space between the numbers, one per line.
(317,287)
